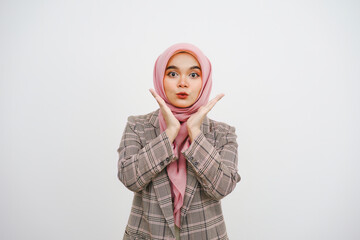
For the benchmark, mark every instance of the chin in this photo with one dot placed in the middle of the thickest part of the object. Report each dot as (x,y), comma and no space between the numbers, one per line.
(183,105)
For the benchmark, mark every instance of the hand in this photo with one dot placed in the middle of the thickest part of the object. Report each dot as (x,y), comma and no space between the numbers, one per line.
(172,124)
(194,122)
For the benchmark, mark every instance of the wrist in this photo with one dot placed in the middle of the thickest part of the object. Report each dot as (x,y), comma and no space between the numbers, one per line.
(193,133)
(171,133)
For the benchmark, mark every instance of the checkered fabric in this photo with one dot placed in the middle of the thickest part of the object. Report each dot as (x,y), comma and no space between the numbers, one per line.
(212,174)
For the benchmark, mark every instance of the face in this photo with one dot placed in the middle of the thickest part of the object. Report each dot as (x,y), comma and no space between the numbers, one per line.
(182,80)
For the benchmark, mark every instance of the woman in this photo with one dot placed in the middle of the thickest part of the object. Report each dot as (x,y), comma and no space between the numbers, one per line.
(177,161)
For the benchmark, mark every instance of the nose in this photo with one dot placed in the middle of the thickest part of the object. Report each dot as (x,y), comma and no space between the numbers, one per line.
(183,82)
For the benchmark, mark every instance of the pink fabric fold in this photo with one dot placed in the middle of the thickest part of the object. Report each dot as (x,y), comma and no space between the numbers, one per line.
(177,170)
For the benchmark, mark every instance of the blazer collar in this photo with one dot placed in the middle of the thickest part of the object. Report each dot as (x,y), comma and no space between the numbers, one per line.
(154,120)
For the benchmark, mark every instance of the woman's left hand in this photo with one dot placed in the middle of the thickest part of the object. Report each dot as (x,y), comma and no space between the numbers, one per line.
(194,122)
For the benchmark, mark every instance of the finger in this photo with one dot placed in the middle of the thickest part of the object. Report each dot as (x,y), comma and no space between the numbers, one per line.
(160,101)
(212,103)
(152,92)
(163,106)
(155,95)
(218,97)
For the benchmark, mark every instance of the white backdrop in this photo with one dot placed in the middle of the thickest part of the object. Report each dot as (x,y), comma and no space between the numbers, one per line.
(73,71)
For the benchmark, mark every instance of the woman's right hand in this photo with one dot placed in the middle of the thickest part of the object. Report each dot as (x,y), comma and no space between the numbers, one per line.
(172,124)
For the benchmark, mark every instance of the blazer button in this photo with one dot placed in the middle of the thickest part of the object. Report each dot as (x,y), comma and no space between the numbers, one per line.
(161,163)
(191,158)
(167,159)
(196,163)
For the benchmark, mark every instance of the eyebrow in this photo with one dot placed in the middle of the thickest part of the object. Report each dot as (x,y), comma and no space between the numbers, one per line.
(175,67)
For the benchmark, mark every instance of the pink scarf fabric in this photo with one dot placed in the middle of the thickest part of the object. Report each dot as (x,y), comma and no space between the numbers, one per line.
(177,170)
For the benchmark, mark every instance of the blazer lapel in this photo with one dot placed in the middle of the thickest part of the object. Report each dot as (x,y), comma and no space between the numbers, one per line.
(191,181)
(162,182)
(163,194)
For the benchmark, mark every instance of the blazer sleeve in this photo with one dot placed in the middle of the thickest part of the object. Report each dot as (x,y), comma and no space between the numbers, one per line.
(215,165)
(138,164)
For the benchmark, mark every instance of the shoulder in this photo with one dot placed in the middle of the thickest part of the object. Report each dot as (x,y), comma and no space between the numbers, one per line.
(220,127)
(220,133)
(145,119)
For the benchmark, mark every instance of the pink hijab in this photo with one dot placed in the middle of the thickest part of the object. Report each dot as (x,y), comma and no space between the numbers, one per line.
(177,170)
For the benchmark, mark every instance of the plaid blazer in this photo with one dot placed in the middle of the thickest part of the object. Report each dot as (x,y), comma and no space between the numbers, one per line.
(212,174)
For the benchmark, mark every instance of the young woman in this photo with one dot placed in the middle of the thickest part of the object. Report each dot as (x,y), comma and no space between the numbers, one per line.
(177,161)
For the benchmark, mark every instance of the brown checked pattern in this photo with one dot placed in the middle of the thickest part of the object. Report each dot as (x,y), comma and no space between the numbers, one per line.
(212,174)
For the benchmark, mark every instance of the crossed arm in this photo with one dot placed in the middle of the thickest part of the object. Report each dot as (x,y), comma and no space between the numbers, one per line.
(215,163)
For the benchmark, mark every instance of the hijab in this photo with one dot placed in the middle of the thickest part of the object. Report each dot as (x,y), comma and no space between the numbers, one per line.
(177,169)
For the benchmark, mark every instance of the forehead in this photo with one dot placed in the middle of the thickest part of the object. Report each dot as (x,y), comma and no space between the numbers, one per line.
(183,59)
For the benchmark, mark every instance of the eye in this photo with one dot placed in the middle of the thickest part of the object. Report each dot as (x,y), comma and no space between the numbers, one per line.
(172,74)
(194,75)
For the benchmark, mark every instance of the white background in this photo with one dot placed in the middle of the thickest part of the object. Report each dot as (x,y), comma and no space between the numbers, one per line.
(73,71)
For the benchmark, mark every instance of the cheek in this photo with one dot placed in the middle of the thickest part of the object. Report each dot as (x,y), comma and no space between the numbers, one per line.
(167,86)
(198,87)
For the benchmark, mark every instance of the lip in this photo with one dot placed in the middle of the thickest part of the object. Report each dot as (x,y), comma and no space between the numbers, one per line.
(182,95)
